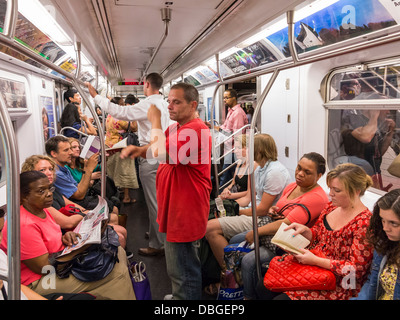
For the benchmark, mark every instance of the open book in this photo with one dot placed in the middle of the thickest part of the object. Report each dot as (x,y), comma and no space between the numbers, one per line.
(90,230)
(287,242)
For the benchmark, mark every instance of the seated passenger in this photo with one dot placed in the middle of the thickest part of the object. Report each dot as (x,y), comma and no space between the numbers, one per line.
(271,177)
(46,165)
(306,191)
(59,149)
(77,164)
(384,234)
(340,235)
(41,237)
(238,187)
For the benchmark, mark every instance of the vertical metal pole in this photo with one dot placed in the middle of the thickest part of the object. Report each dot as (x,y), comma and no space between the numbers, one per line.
(10,21)
(213,151)
(101,136)
(292,48)
(13,202)
(251,159)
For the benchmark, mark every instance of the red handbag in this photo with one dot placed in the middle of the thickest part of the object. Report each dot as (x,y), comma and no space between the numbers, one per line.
(286,274)
(70,210)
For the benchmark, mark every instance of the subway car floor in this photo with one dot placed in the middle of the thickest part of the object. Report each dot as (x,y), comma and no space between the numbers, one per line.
(137,224)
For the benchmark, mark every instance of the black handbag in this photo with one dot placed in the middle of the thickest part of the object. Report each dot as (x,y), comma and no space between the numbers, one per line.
(132,137)
(95,263)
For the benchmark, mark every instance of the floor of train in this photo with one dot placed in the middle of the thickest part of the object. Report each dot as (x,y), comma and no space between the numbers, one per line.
(136,225)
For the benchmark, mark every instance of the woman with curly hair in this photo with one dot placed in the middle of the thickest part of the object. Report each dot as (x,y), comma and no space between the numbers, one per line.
(384,234)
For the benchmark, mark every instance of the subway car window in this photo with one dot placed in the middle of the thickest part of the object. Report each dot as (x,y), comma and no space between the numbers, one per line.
(366,130)
(32,37)
(337,22)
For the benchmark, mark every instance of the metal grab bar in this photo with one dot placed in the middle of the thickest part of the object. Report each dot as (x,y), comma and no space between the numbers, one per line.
(73,129)
(233,134)
(9,143)
(10,146)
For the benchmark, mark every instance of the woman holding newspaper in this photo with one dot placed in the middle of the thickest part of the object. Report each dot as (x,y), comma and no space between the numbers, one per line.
(41,237)
(339,235)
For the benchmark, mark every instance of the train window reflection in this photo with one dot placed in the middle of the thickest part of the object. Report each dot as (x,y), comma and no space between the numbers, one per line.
(369,138)
(364,122)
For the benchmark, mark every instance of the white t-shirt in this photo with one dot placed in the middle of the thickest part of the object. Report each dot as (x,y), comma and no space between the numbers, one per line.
(4,273)
(137,112)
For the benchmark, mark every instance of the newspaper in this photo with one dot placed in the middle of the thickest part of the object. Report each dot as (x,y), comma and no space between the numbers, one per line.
(119,145)
(89,228)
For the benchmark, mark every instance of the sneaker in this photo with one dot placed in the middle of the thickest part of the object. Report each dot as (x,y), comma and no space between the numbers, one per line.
(169,297)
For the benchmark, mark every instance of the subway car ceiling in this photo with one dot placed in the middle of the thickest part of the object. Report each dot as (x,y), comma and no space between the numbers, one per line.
(123,39)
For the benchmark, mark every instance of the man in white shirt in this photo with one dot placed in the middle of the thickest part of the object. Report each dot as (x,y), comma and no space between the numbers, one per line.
(147,169)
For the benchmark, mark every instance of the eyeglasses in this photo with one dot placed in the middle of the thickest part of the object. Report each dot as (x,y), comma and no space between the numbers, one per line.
(227,98)
(44,191)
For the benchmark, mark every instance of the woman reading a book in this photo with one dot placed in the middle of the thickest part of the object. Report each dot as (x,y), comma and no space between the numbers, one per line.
(339,235)
(305,191)
(384,234)
(41,237)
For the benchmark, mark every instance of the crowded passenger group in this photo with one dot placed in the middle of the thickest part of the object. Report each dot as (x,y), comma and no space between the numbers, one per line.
(344,236)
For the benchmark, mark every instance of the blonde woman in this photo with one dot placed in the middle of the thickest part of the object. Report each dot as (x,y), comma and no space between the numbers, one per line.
(340,235)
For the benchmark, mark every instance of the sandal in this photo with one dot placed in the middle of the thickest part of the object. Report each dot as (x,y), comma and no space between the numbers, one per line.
(212,289)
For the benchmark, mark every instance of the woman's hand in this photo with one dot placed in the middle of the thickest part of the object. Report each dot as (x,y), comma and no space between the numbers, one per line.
(250,237)
(300,229)
(274,213)
(225,194)
(306,258)
(70,238)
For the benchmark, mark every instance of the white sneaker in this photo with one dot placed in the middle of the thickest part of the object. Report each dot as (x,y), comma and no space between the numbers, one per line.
(169,297)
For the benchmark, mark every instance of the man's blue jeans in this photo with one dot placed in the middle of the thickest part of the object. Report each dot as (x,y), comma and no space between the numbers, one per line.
(184,269)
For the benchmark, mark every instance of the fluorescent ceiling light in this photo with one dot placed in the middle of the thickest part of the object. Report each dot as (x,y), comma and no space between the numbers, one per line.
(37,14)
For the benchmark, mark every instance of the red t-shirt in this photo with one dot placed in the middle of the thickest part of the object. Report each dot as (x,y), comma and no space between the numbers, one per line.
(184,182)
(38,237)
(315,201)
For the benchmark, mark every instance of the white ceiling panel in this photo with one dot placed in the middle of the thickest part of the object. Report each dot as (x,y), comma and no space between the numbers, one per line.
(120,34)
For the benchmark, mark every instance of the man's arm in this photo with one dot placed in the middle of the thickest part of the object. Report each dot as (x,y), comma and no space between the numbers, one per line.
(128,113)
(92,91)
(366,133)
(157,138)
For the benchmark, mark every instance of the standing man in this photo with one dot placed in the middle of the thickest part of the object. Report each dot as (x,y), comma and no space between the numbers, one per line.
(147,169)
(183,187)
(235,119)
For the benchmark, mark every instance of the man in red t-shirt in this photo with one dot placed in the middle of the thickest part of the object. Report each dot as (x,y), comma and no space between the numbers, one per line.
(183,186)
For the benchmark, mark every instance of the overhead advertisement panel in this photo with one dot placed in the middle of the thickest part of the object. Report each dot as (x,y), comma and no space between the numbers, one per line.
(345,19)
(248,58)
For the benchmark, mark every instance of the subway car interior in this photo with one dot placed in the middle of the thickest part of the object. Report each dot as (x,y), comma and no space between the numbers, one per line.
(301,70)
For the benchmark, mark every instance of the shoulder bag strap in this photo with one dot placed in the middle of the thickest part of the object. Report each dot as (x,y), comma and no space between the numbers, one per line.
(289,205)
